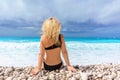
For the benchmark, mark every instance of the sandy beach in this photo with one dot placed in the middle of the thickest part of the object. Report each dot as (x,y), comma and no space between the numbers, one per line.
(89,72)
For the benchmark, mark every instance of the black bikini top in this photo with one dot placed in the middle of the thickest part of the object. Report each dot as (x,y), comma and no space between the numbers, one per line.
(56,45)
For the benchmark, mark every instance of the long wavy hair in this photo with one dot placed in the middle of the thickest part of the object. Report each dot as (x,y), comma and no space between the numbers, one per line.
(51,28)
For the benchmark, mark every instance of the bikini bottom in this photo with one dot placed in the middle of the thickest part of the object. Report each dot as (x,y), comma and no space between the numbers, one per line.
(53,67)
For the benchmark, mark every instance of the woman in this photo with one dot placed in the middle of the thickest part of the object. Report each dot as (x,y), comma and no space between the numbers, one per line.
(51,44)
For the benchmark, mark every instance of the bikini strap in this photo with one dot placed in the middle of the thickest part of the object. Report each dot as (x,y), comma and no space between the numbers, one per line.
(60,38)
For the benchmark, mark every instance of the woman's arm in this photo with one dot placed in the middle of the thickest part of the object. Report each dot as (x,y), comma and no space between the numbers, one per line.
(65,55)
(64,51)
(41,55)
(40,59)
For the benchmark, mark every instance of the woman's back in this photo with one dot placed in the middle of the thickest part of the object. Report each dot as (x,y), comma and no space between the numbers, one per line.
(52,55)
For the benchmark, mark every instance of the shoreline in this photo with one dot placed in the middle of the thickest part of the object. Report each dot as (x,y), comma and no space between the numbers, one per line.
(106,71)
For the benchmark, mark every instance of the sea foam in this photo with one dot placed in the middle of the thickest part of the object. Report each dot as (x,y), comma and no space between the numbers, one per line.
(20,53)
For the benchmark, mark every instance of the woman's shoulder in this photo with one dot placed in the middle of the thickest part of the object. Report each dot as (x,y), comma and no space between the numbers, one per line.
(43,38)
(62,36)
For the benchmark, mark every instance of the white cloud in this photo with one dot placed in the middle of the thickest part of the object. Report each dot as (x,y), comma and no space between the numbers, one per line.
(21,9)
(110,13)
(19,32)
(100,11)
(30,28)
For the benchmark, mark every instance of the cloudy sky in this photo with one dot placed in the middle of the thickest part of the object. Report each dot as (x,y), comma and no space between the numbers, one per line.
(79,18)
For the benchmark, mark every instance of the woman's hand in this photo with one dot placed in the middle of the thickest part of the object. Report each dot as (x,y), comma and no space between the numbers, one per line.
(71,68)
(35,71)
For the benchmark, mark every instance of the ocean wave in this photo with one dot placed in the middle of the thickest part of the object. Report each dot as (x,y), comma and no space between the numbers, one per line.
(25,53)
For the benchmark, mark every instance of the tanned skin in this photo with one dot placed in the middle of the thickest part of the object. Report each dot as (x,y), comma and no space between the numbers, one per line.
(51,57)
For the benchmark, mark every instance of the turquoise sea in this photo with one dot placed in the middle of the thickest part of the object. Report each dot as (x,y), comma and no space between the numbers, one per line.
(82,51)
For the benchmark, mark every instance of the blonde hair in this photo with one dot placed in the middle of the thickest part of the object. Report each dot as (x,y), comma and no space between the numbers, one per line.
(51,28)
